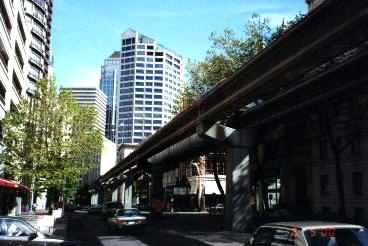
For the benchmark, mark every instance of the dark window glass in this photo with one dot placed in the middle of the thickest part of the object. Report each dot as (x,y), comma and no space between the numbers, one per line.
(357,178)
(158,59)
(323,184)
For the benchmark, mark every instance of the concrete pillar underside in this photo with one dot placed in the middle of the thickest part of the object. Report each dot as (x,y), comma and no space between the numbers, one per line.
(240,200)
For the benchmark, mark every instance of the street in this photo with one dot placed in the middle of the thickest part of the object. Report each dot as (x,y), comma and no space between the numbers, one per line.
(91,230)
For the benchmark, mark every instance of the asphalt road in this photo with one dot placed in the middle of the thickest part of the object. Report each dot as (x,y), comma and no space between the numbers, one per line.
(92,230)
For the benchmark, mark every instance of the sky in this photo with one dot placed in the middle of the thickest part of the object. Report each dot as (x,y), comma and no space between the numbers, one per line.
(85,32)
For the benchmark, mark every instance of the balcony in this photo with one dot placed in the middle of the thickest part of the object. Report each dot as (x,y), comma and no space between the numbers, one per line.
(33,76)
(38,32)
(40,4)
(36,62)
(37,47)
(39,17)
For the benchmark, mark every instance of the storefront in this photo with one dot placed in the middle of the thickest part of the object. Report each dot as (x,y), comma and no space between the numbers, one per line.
(14,198)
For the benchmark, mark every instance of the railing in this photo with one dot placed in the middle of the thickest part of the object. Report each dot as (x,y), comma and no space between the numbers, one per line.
(38,32)
(37,47)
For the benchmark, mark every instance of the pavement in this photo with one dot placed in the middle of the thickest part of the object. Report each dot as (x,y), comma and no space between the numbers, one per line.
(92,230)
(48,224)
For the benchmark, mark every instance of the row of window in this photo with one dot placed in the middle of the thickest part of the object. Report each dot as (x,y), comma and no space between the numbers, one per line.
(140,115)
(129,57)
(142,121)
(141,77)
(130,109)
(139,102)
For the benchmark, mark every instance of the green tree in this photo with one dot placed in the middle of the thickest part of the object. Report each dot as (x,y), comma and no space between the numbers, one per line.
(227,54)
(49,140)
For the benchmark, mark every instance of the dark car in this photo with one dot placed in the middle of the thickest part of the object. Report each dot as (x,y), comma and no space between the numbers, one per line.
(110,208)
(95,209)
(309,233)
(127,218)
(16,231)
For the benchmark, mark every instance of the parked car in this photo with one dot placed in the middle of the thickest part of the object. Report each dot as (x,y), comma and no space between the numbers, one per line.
(95,209)
(127,218)
(217,210)
(16,231)
(309,233)
(109,208)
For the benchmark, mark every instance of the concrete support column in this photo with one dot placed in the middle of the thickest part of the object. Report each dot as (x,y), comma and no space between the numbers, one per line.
(128,196)
(240,200)
(157,191)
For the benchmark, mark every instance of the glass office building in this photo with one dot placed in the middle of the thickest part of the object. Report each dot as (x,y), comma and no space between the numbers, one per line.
(110,77)
(151,80)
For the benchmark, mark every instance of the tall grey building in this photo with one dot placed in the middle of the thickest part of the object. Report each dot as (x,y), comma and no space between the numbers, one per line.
(39,17)
(14,41)
(150,82)
(110,77)
(93,97)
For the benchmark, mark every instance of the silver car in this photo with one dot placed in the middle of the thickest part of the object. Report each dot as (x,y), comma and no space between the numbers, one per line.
(127,218)
(310,233)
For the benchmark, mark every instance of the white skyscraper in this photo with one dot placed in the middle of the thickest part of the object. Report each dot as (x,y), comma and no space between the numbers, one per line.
(93,97)
(151,80)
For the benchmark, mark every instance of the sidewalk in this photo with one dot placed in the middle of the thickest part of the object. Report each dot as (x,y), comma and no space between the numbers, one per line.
(48,224)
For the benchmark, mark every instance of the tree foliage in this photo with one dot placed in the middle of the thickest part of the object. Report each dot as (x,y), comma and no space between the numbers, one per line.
(227,54)
(49,140)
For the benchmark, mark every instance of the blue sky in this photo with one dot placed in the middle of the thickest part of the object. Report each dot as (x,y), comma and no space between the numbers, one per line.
(86,31)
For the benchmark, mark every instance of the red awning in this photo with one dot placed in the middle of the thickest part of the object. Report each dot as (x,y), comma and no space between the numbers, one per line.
(8,183)
(13,185)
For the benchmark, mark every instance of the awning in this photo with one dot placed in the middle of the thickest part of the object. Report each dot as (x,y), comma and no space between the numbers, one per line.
(8,183)
(12,184)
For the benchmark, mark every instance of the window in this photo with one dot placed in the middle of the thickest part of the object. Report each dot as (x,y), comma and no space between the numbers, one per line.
(138,127)
(323,184)
(158,90)
(149,65)
(140,46)
(157,122)
(19,55)
(148,115)
(156,128)
(158,96)
(150,47)
(159,78)
(138,108)
(159,65)
(21,28)
(140,64)
(148,102)
(138,102)
(139,95)
(147,128)
(157,116)
(158,59)
(139,77)
(140,59)
(147,121)
(158,71)
(139,83)
(140,53)
(16,84)
(357,179)
(139,71)
(5,16)
(148,89)
(136,121)
(149,77)
(139,89)
(149,71)
(148,96)
(3,55)
(2,93)
(148,109)
(150,53)
(159,53)
(157,109)
(149,83)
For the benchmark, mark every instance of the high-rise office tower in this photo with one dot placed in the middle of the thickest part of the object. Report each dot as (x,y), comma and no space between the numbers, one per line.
(39,16)
(110,77)
(92,97)
(14,40)
(150,82)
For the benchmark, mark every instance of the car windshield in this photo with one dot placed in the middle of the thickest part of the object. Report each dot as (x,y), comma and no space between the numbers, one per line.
(337,237)
(128,213)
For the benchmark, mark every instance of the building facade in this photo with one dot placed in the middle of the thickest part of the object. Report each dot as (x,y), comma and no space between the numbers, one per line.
(151,80)
(95,98)
(110,77)
(14,40)
(39,17)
